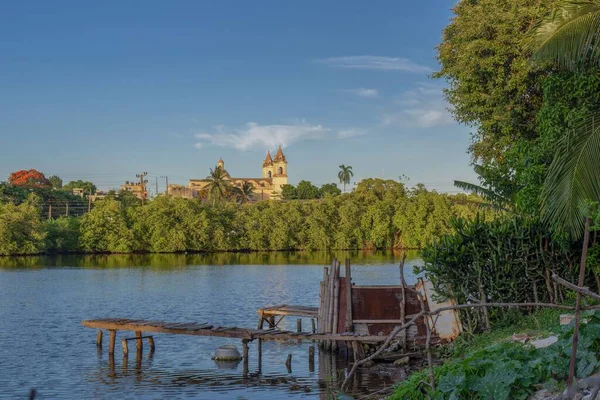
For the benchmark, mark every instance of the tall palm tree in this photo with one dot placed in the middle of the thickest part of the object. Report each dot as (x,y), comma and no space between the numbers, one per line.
(569,37)
(345,174)
(243,194)
(218,187)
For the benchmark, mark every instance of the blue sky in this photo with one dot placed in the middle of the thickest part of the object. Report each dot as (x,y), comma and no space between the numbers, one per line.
(103,90)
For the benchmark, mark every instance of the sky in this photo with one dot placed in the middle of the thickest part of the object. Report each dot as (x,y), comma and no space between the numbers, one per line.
(104,90)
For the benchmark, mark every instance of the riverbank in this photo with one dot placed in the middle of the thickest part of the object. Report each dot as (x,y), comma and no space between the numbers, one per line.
(498,365)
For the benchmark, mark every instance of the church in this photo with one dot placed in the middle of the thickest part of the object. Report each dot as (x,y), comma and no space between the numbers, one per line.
(268,187)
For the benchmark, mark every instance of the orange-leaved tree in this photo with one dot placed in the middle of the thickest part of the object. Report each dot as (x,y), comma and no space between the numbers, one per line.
(31,178)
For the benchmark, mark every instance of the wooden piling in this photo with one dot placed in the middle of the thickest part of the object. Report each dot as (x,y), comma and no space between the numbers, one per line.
(261,320)
(151,344)
(336,303)
(125,347)
(299,325)
(311,358)
(139,344)
(99,339)
(272,322)
(288,363)
(312,326)
(245,350)
(111,341)
(349,326)
(259,349)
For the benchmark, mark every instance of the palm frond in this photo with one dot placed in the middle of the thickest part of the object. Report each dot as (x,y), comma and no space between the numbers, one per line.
(573,178)
(568,36)
(496,201)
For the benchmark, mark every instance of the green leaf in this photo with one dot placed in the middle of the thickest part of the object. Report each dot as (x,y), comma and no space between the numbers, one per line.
(448,383)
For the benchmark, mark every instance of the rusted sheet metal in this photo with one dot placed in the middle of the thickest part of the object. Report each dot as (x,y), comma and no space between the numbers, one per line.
(447,323)
(383,303)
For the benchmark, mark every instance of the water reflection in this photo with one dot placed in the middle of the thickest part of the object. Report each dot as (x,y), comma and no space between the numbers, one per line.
(49,296)
(172,261)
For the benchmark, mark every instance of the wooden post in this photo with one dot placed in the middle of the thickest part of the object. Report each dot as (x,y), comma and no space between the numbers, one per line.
(581,282)
(261,320)
(336,302)
(139,344)
(288,363)
(272,321)
(311,358)
(245,347)
(349,326)
(151,344)
(312,326)
(299,325)
(403,302)
(259,348)
(111,341)
(50,211)
(125,348)
(99,339)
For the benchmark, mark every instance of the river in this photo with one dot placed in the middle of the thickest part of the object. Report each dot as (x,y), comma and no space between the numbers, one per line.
(44,346)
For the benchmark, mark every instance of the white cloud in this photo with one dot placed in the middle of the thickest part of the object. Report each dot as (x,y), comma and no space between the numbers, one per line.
(376,63)
(363,92)
(424,107)
(350,133)
(254,135)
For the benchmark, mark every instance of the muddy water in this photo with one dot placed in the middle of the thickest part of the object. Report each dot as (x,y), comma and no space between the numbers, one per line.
(44,346)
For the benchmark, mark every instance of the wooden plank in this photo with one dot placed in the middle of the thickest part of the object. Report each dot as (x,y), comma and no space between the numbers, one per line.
(348,326)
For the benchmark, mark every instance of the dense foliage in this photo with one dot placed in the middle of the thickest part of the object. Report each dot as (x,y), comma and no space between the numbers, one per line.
(510,370)
(508,259)
(377,215)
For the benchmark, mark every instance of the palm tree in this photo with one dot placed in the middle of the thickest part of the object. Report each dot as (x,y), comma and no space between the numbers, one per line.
(218,187)
(498,199)
(569,38)
(243,194)
(345,174)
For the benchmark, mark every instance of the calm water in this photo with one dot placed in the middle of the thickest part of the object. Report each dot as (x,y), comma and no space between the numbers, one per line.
(44,299)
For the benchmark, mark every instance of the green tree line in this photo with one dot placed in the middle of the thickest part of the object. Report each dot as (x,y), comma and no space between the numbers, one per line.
(379,214)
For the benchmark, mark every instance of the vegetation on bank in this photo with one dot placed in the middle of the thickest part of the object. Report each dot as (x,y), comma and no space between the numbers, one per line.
(492,366)
(525,75)
(378,214)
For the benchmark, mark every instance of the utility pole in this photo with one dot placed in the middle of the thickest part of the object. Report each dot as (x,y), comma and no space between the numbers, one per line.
(156,193)
(143,184)
(166,178)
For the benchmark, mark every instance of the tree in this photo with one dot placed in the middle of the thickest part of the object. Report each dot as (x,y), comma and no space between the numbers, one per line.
(20,230)
(568,37)
(243,194)
(306,190)
(289,192)
(28,178)
(106,229)
(491,83)
(218,187)
(55,182)
(345,174)
(87,186)
(330,190)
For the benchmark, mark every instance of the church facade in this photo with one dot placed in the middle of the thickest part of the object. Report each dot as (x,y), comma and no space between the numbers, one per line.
(267,187)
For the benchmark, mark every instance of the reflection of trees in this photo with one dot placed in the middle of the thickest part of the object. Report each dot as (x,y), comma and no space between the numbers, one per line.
(174,261)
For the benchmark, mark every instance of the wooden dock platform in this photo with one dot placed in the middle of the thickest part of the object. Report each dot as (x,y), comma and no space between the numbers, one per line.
(268,314)
(205,329)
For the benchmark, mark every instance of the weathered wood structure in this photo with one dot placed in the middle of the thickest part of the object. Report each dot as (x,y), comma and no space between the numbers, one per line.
(374,311)
(347,315)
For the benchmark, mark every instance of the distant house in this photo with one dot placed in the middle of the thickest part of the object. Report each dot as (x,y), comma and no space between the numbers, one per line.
(136,188)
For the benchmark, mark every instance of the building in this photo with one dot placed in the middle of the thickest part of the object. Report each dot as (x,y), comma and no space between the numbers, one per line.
(268,187)
(136,188)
